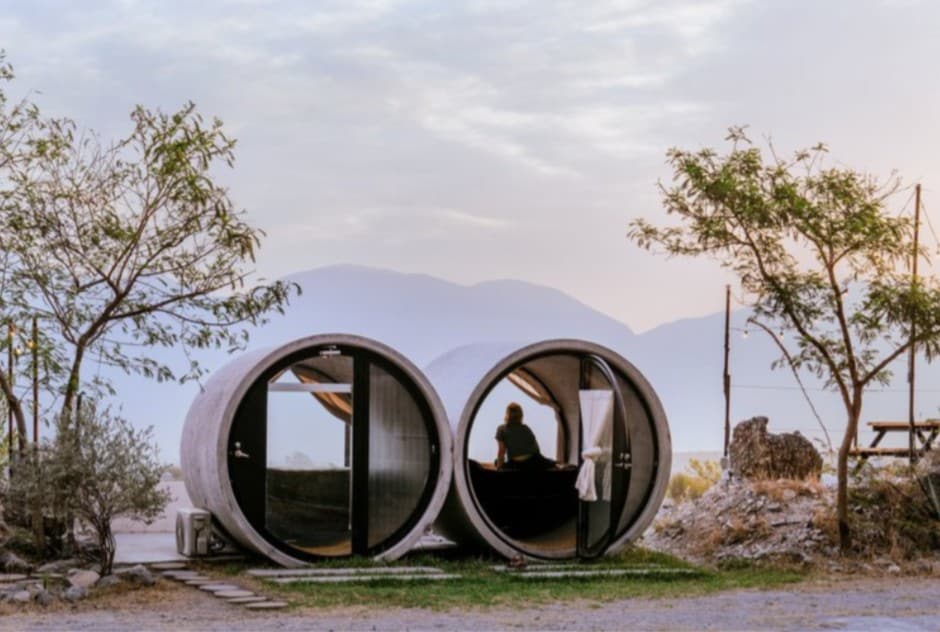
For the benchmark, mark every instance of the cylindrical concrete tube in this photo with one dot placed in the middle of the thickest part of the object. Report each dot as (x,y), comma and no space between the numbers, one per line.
(249,436)
(537,514)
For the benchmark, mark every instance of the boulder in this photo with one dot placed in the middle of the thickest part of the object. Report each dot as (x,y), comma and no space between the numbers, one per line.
(13,563)
(58,566)
(757,454)
(83,579)
(138,574)
(44,597)
(21,596)
(74,593)
(107,581)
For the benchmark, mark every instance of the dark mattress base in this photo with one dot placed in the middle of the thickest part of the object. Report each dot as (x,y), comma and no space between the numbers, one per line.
(525,503)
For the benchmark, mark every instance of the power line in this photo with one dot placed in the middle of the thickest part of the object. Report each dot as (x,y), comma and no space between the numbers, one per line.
(923,207)
(768,387)
(904,208)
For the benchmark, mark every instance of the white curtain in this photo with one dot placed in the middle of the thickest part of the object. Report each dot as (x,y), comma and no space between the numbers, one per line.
(597,414)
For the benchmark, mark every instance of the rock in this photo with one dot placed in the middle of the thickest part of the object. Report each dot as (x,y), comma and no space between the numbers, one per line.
(6,578)
(58,566)
(757,454)
(139,574)
(107,581)
(74,593)
(894,569)
(83,579)
(21,596)
(13,563)
(44,597)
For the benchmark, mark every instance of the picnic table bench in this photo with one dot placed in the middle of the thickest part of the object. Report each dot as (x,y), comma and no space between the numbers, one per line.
(925,433)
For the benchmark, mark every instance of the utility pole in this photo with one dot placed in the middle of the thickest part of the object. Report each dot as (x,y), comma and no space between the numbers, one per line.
(727,375)
(34,344)
(11,331)
(912,363)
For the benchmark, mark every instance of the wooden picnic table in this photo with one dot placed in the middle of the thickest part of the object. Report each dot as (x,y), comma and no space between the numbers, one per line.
(925,433)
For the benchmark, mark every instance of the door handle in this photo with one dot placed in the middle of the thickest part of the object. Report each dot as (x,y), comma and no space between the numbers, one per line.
(238,453)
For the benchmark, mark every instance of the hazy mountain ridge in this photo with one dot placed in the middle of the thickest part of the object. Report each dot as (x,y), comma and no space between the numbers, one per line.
(424,317)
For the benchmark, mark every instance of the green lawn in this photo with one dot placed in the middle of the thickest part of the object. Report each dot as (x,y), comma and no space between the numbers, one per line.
(481,586)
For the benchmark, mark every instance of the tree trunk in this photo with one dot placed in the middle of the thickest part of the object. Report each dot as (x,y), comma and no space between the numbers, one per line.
(16,406)
(107,546)
(842,469)
(72,387)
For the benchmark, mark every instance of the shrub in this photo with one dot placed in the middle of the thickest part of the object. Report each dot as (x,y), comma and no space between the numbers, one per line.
(691,485)
(97,469)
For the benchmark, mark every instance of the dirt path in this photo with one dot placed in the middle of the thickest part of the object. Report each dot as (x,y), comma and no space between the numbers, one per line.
(864,604)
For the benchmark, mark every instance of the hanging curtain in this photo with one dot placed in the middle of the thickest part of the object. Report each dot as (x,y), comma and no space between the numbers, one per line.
(597,414)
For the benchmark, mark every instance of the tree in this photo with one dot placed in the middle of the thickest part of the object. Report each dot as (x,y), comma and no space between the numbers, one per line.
(98,469)
(818,253)
(128,245)
(25,137)
(120,247)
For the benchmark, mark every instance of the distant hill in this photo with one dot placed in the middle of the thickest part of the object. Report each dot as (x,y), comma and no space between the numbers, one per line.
(423,317)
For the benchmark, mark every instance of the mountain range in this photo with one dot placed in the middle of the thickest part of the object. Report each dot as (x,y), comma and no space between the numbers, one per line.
(423,317)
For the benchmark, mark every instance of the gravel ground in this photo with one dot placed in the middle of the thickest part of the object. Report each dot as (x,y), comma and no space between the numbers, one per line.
(862,604)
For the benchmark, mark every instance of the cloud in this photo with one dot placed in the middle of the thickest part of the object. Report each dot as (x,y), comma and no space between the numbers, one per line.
(396,225)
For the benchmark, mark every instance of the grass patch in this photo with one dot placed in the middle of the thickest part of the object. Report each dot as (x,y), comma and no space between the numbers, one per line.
(480,586)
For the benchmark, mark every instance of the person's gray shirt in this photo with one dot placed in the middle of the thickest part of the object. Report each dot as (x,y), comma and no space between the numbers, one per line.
(518,439)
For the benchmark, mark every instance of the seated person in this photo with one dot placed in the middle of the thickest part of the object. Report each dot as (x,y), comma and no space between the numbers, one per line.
(517,447)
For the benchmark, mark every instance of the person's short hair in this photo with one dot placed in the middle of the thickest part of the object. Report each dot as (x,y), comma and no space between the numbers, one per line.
(513,413)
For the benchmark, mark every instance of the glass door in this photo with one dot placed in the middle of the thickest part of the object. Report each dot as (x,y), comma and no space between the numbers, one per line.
(308,496)
(605,442)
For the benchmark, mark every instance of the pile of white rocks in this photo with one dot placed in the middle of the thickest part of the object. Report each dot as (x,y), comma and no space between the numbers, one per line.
(68,580)
(748,520)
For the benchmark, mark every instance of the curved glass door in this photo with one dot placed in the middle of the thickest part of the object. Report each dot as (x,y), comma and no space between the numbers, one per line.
(332,453)
(604,440)
(308,490)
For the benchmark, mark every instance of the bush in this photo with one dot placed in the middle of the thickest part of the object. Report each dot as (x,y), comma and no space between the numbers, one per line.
(691,485)
(97,469)
(889,513)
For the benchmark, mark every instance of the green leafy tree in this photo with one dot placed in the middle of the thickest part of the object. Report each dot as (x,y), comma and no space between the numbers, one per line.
(25,137)
(819,253)
(122,246)
(117,248)
(98,469)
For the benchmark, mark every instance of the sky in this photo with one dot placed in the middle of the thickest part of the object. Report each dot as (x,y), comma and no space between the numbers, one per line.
(494,139)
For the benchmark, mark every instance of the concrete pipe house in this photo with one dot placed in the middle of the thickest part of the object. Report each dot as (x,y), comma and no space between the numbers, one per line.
(329,446)
(591,411)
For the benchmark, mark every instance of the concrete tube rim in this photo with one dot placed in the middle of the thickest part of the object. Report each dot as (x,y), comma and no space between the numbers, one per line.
(541,348)
(265,361)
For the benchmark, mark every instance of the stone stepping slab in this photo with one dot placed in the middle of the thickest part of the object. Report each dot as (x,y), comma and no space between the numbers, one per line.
(201,581)
(609,572)
(230,593)
(315,572)
(234,594)
(7,578)
(218,587)
(539,566)
(254,599)
(266,605)
(339,579)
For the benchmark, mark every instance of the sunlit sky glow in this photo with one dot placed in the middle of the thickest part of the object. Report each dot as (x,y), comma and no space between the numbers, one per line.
(494,139)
